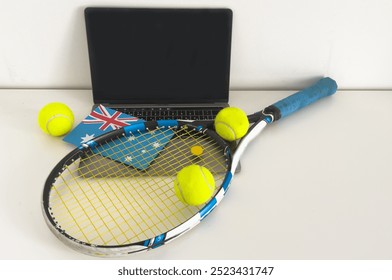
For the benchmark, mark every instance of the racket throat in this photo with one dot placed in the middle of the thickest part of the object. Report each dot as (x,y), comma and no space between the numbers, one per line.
(273,112)
(243,144)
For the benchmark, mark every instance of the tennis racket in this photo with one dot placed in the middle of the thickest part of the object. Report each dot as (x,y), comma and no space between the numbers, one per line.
(115,195)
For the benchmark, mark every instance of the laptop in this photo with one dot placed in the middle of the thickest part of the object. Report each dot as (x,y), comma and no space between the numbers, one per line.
(160,63)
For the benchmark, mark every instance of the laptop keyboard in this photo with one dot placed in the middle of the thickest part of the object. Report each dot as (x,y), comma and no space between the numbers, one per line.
(187,113)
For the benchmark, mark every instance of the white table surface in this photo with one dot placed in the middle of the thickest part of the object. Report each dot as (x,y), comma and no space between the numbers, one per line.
(316,185)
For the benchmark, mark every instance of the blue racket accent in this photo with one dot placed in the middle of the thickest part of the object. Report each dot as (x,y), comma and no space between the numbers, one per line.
(268,119)
(91,144)
(199,128)
(158,240)
(303,98)
(227,181)
(207,209)
(134,127)
(167,123)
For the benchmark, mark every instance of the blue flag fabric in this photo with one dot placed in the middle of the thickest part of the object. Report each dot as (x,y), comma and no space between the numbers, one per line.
(139,152)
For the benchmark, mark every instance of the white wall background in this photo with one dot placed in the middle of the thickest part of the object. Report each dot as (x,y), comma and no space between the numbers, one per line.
(277,44)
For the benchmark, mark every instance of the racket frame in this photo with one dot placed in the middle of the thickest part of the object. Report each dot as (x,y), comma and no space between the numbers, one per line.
(282,108)
(151,243)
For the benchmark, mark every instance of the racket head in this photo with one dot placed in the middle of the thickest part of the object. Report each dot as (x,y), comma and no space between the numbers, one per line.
(102,205)
(103,167)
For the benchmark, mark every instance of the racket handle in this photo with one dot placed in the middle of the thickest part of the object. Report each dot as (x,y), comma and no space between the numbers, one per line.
(287,106)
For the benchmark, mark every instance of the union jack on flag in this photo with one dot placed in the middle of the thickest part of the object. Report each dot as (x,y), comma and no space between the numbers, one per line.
(101,120)
(112,119)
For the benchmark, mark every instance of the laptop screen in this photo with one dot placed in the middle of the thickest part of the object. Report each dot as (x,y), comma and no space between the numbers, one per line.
(140,55)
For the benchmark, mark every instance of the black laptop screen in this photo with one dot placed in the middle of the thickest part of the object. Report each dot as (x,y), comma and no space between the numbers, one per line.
(159,55)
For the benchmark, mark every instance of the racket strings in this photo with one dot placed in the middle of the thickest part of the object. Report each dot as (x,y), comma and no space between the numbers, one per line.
(143,209)
(212,160)
(95,203)
(80,217)
(100,229)
(181,155)
(148,186)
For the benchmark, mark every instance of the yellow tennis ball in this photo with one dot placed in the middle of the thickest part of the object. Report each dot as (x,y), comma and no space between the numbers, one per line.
(231,123)
(56,119)
(194,185)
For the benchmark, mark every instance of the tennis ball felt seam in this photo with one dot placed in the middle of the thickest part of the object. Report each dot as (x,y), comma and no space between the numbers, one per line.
(57,116)
(227,126)
(181,192)
(194,185)
(205,179)
(231,121)
(55,119)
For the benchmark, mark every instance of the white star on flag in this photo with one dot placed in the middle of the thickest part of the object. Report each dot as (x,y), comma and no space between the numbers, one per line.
(87,138)
(156,145)
(128,158)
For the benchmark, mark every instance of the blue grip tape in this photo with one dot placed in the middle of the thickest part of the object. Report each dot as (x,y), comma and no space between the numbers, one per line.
(324,87)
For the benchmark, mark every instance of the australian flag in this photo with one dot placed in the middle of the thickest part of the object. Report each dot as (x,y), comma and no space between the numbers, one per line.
(103,120)
(98,122)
